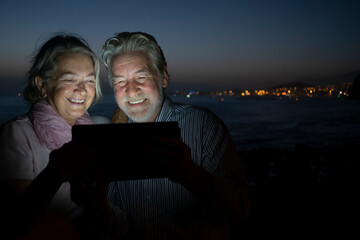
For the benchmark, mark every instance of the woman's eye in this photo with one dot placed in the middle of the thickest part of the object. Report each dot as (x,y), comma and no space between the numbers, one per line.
(69,80)
(90,81)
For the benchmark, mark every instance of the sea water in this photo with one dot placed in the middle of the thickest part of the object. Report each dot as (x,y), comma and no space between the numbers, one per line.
(256,123)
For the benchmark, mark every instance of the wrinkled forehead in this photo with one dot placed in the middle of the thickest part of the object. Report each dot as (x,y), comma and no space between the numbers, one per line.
(133,62)
(74,64)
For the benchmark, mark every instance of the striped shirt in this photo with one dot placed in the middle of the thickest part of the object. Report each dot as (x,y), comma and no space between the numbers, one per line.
(161,209)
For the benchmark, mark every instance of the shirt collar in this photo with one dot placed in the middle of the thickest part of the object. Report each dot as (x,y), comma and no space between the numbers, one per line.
(167,110)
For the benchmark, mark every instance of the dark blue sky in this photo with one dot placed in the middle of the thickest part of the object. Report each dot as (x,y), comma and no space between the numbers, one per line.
(208,44)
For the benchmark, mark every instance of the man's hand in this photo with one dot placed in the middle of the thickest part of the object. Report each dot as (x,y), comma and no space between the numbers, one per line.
(173,156)
(89,190)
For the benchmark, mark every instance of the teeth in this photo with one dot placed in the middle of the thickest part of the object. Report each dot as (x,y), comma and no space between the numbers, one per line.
(76,100)
(136,102)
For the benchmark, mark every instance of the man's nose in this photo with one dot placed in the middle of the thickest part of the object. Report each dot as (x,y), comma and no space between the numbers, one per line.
(132,88)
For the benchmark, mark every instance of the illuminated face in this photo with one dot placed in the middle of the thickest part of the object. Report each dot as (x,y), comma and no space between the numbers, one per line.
(137,86)
(72,88)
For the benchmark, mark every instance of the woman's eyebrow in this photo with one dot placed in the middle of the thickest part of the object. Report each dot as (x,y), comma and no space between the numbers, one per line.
(92,74)
(74,74)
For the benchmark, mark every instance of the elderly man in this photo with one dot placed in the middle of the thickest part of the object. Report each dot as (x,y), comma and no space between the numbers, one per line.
(208,188)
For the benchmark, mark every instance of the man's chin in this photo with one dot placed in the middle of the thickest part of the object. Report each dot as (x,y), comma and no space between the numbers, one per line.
(139,117)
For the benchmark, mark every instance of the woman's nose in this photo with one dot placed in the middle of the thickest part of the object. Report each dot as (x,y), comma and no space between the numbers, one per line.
(80,86)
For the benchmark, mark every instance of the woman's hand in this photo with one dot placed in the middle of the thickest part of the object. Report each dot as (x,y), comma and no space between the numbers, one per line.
(89,191)
(71,160)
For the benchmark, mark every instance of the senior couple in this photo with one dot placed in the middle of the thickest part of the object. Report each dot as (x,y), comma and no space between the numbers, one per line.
(47,189)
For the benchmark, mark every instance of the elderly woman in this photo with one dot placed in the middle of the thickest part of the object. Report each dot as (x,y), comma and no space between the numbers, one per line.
(36,160)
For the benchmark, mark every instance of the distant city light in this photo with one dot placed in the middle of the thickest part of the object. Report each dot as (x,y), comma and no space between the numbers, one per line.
(339,91)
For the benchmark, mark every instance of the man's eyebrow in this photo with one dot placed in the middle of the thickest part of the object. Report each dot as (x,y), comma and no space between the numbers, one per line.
(137,72)
(117,76)
(142,71)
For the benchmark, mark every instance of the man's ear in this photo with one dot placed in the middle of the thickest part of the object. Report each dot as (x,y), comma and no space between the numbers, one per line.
(165,80)
(40,85)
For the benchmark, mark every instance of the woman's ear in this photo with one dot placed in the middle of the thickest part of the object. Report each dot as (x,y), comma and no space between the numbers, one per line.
(165,80)
(40,85)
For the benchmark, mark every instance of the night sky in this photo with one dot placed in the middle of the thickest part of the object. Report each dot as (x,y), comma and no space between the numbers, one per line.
(208,44)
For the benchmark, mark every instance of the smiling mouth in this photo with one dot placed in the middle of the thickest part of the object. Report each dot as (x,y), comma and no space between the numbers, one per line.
(136,102)
(79,101)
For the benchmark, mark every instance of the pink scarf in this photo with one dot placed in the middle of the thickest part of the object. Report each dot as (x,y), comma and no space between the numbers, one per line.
(51,129)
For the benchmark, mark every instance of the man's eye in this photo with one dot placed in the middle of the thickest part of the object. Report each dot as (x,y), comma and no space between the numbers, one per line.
(141,79)
(119,83)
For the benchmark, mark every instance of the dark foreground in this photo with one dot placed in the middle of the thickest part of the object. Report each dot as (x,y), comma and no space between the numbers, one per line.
(308,192)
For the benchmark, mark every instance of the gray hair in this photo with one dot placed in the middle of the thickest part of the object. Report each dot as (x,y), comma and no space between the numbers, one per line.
(46,59)
(127,42)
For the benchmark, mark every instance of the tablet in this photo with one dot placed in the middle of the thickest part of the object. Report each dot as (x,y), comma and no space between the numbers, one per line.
(120,148)
(106,132)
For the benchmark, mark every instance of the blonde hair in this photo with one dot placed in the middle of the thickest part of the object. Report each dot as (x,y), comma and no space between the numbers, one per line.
(46,59)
